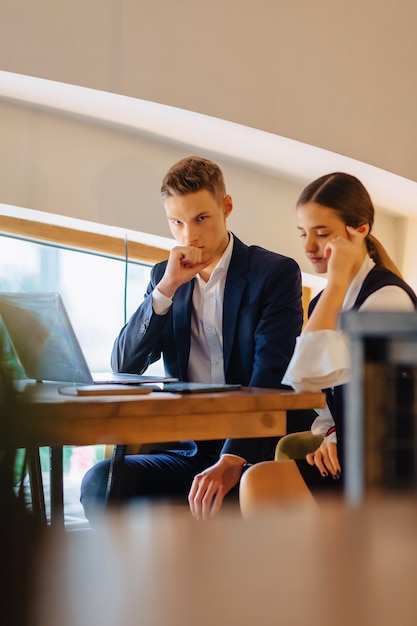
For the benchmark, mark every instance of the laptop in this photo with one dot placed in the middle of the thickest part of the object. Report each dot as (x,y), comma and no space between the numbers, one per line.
(44,345)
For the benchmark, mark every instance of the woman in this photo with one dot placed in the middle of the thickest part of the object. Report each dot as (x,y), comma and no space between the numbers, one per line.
(334,218)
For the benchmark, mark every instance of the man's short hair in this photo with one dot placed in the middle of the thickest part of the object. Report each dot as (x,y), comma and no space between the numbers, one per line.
(193,174)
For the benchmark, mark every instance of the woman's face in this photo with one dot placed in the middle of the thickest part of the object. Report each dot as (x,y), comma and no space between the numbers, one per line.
(317,224)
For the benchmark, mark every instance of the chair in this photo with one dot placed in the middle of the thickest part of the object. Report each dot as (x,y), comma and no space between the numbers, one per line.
(297,445)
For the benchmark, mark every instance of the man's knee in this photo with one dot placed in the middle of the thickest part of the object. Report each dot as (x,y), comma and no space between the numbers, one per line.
(94,486)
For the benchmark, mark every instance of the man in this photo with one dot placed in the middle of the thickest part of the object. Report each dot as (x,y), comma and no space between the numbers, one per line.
(218,311)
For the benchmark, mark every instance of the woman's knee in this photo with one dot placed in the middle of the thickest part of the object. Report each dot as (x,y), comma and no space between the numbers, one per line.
(261,485)
(271,483)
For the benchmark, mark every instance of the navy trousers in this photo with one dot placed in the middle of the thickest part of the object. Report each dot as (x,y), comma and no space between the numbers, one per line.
(157,476)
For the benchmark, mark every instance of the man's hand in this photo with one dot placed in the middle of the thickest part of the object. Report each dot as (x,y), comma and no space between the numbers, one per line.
(326,459)
(210,487)
(184,263)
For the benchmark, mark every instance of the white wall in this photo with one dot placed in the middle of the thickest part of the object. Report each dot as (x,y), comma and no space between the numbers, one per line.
(335,74)
(332,74)
(64,165)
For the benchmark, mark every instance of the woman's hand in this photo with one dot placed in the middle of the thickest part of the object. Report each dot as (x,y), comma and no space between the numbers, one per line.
(345,255)
(326,460)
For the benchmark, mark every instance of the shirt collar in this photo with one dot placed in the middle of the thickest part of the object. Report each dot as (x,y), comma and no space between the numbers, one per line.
(223,263)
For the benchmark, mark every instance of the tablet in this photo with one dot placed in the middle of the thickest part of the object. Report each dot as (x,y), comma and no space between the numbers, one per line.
(182,387)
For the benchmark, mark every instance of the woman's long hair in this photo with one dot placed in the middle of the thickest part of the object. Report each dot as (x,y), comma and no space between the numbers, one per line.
(345,194)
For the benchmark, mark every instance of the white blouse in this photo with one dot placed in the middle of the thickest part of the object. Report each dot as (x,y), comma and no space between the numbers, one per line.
(321,358)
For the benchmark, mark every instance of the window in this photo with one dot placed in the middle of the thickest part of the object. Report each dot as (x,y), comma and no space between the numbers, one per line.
(100,291)
(92,287)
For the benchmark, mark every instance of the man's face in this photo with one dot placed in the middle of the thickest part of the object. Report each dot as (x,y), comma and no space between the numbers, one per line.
(198,219)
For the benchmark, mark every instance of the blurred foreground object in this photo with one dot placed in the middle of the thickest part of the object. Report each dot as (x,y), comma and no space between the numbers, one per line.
(157,565)
(381,404)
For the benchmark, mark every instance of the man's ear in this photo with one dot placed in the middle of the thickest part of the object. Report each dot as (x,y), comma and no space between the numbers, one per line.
(228,205)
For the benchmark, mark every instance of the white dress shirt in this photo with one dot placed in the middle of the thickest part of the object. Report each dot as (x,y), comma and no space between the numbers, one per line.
(206,363)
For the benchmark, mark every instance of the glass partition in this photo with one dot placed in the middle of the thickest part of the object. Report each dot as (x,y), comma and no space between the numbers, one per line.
(99,292)
(92,287)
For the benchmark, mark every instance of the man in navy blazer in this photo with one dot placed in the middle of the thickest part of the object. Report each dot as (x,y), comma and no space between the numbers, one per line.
(217,311)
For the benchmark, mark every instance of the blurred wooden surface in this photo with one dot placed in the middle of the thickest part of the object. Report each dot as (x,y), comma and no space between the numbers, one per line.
(327,566)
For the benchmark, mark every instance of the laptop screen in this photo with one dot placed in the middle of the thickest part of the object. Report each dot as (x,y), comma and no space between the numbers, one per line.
(43,338)
(9,356)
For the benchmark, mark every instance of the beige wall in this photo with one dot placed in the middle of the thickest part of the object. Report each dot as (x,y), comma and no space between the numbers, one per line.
(335,74)
(64,165)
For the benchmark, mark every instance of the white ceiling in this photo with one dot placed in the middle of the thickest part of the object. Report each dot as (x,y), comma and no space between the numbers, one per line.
(265,151)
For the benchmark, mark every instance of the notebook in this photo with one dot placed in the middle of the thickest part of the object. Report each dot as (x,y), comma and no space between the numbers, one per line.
(45,346)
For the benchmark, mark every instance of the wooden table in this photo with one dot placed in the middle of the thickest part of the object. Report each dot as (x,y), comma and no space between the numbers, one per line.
(45,417)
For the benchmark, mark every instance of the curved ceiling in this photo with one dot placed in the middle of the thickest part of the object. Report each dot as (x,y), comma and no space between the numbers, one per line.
(262,150)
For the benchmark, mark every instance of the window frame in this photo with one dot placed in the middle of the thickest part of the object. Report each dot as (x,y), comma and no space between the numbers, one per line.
(81,240)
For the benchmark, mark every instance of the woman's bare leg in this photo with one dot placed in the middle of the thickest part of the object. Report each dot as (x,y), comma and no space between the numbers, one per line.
(272,483)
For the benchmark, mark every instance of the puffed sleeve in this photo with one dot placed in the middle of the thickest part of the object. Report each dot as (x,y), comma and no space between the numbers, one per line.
(321,359)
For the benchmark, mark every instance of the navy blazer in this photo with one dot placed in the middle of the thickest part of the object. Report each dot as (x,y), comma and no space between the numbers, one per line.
(262,316)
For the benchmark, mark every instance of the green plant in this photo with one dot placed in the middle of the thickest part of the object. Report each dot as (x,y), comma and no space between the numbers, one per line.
(19,531)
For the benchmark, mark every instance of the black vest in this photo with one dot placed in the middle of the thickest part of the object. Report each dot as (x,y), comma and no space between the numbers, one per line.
(378,277)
